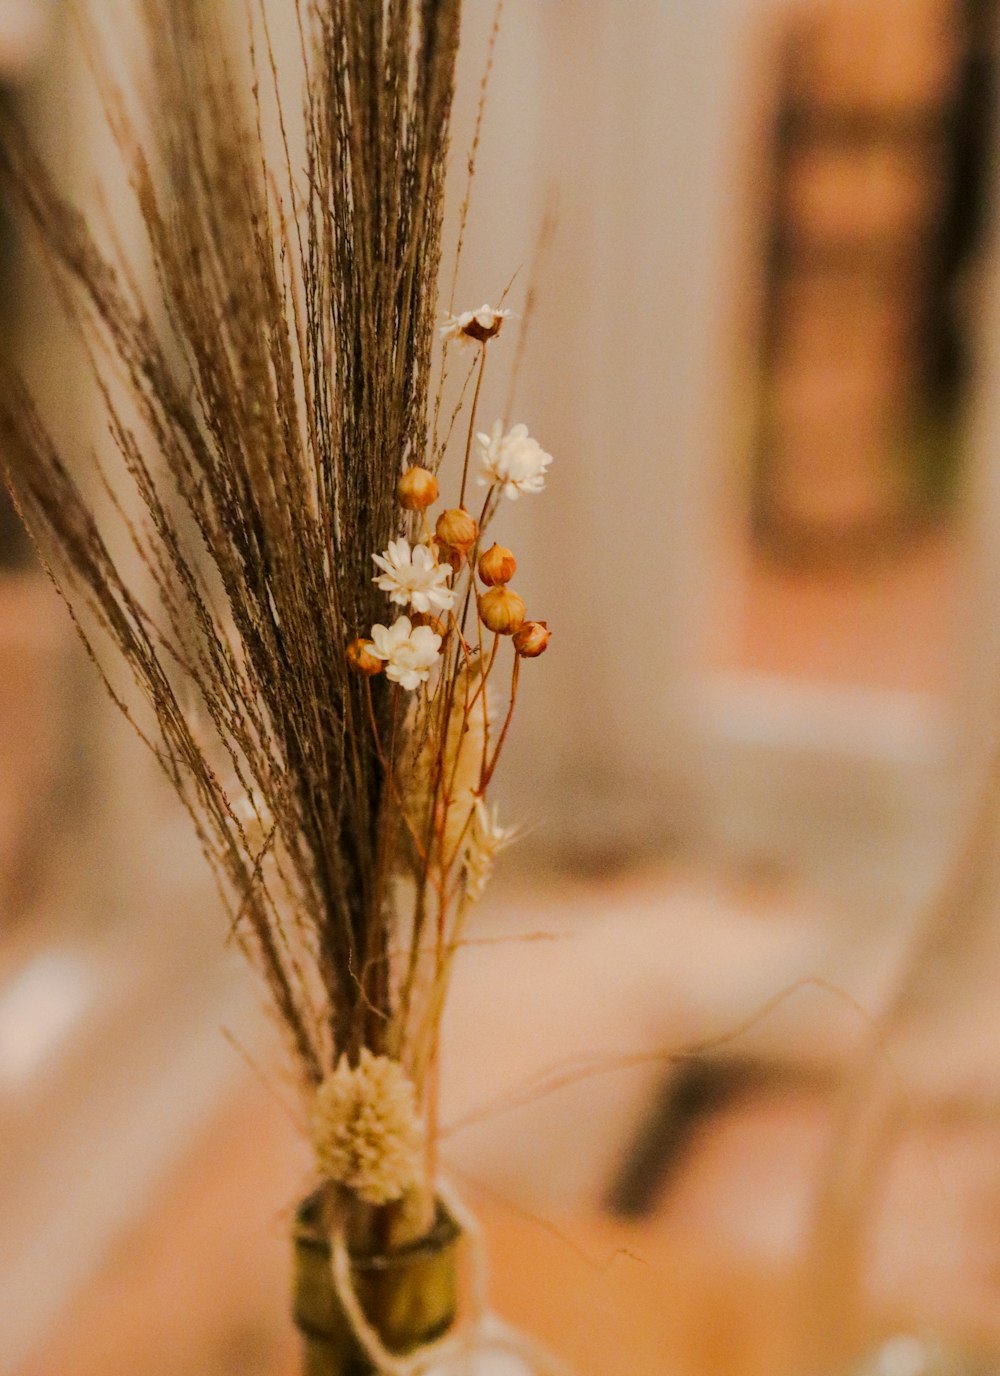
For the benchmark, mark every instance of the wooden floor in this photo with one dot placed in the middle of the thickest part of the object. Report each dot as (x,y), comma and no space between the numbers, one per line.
(199,1286)
(709,1283)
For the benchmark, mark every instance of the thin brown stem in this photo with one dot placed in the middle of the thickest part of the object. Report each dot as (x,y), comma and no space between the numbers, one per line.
(472,423)
(485,781)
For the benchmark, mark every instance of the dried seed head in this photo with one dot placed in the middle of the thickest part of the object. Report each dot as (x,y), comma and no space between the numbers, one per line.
(501,610)
(497,565)
(459,745)
(456,529)
(361,659)
(417,489)
(532,639)
(486,839)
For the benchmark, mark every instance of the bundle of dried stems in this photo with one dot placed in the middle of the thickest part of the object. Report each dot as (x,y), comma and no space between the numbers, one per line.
(279,427)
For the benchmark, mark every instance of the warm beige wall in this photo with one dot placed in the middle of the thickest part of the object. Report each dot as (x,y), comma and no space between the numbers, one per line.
(645,134)
(628,124)
(110,793)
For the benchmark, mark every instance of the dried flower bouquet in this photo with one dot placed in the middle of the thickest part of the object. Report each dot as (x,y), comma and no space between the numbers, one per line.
(374,1119)
(323,668)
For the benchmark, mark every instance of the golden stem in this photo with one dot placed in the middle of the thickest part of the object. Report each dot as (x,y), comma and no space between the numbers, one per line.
(472,424)
(484,783)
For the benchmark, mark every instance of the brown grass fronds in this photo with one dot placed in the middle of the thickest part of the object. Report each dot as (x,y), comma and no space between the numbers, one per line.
(277,378)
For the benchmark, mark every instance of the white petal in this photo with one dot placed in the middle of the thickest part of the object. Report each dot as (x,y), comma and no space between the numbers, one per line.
(380,640)
(426,640)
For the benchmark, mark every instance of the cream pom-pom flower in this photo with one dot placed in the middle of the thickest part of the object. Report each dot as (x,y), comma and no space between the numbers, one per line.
(515,461)
(413,577)
(409,652)
(366,1129)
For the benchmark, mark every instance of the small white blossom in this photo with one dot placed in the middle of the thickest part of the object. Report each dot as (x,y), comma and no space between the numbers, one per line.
(410,652)
(474,326)
(414,577)
(366,1130)
(487,838)
(515,460)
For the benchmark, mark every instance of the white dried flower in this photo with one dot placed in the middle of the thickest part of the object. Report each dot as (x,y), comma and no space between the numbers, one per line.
(410,652)
(414,578)
(515,461)
(366,1129)
(487,838)
(475,326)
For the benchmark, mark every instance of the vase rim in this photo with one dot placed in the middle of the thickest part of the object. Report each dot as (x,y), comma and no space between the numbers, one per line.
(444,1232)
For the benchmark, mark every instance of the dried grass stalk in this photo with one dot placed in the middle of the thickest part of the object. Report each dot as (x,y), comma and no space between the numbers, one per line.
(277,380)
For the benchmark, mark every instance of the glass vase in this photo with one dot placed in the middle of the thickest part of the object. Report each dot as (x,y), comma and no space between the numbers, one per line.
(410,1296)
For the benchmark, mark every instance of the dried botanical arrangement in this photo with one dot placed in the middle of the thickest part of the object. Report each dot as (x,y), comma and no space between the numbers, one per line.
(325,669)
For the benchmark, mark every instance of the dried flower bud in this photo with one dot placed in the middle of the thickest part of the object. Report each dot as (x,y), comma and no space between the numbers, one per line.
(456,529)
(497,565)
(532,639)
(501,610)
(361,659)
(417,489)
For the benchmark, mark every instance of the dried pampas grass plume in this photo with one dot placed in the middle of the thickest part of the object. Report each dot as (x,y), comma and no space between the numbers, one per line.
(444,781)
(487,838)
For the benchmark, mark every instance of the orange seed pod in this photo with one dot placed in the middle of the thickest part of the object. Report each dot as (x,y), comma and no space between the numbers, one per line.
(501,610)
(497,565)
(417,489)
(456,529)
(361,659)
(532,639)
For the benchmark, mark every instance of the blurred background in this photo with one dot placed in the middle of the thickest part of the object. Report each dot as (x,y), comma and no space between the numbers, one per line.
(724,1076)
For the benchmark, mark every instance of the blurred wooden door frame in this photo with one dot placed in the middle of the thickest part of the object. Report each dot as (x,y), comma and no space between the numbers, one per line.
(645,136)
(855,787)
